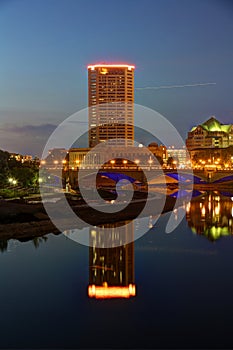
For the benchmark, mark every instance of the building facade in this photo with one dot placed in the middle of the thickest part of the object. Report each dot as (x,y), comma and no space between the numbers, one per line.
(180,157)
(211,145)
(118,157)
(211,134)
(110,101)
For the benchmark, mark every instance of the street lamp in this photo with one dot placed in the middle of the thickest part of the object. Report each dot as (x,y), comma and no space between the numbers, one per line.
(137,161)
(13,182)
(112,162)
(150,161)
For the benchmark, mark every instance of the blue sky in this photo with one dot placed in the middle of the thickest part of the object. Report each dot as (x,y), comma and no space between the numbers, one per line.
(47,44)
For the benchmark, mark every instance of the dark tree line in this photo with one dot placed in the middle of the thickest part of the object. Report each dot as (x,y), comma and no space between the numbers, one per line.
(25,173)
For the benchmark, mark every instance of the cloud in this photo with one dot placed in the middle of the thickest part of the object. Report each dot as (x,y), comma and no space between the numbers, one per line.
(35,130)
(172,86)
(25,139)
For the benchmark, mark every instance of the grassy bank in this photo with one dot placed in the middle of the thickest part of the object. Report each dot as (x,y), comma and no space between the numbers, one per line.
(8,193)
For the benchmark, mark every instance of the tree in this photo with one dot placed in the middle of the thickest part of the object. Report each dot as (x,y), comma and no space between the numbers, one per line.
(4,168)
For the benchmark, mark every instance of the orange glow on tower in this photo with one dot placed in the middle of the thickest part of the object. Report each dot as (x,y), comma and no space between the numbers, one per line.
(109,292)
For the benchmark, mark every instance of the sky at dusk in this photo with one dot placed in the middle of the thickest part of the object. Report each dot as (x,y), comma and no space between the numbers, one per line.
(46,46)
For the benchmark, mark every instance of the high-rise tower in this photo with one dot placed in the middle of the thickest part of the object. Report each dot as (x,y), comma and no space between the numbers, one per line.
(110,101)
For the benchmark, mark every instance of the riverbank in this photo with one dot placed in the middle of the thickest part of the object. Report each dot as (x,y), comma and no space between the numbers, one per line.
(26,221)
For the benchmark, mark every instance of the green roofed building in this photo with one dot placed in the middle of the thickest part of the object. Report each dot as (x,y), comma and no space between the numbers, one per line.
(210,134)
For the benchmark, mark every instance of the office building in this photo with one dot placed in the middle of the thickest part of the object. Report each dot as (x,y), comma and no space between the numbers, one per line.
(110,101)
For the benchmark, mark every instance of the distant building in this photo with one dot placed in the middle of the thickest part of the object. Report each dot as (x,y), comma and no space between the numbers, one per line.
(21,158)
(211,145)
(159,151)
(139,156)
(108,84)
(211,134)
(180,157)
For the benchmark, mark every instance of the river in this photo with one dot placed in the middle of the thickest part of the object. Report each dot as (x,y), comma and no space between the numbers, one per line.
(161,291)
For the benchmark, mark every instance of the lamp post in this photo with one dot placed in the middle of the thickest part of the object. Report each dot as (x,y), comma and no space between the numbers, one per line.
(13,182)
(137,161)
(10,180)
(125,162)
(112,162)
(150,161)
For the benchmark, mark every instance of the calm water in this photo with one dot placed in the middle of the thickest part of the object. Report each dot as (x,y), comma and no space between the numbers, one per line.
(184,287)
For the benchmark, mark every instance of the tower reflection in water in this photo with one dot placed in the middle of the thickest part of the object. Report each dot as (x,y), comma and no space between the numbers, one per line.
(211,215)
(111,270)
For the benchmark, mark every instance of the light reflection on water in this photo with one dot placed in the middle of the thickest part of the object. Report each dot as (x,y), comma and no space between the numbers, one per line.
(163,290)
(211,215)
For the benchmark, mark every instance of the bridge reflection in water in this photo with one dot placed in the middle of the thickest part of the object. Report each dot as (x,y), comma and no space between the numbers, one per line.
(211,215)
(111,270)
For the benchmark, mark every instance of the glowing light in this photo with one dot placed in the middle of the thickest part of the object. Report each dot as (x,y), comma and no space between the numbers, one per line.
(217,209)
(104,71)
(118,65)
(203,211)
(106,292)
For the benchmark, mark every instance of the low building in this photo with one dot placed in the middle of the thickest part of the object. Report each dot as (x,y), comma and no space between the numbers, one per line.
(180,157)
(21,158)
(118,157)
